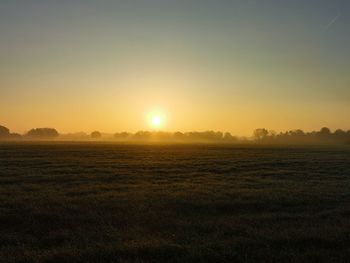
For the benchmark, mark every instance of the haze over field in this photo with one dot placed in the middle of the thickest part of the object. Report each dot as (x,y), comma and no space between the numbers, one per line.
(260,135)
(174,65)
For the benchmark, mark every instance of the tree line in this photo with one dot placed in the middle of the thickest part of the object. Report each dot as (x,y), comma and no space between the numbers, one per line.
(261,135)
(324,135)
(33,133)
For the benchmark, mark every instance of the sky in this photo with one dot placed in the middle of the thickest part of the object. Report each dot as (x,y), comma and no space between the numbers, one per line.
(82,65)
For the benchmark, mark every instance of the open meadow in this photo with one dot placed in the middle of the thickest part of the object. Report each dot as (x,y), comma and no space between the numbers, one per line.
(100,202)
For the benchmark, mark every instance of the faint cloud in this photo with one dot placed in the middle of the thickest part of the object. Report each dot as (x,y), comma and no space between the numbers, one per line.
(331,22)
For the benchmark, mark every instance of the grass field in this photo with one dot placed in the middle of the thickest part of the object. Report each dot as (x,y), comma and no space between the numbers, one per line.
(75,202)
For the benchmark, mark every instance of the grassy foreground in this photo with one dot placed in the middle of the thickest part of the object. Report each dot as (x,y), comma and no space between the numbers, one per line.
(173,203)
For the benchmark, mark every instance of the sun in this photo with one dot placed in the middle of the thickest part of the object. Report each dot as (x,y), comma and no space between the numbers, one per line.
(156,121)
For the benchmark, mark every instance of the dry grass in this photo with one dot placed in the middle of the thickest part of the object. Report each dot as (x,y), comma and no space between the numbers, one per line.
(173,203)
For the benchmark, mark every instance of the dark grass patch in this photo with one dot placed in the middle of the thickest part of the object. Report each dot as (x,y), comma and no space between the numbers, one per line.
(173,203)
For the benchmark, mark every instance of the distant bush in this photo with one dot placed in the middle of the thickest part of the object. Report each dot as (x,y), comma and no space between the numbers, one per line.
(43,133)
(96,134)
(15,136)
(4,132)
(122,135)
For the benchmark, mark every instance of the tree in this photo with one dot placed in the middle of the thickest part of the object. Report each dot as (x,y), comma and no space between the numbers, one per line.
(178,136)
(15,136)
(143,135)
(96,134)
(324,134)
(4,132)
(340,135)
(325,131)
(260,134)
(297,133)
(43,133)
(272,133)
(228,137)
(121,135)
(340,132)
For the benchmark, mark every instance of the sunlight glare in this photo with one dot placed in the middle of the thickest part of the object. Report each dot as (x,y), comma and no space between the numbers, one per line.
(156,121)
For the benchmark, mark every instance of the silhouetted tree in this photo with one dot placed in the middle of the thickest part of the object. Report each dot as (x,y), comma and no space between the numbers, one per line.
(178,136)
(96,134)
(228,136)
(260,134)
(43,133)
(324,134)
(339,133)
(122,135)
(325,131)
(297,133)
(4,132)
(272,133)
(163,136)
(293,136)
(15,136)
